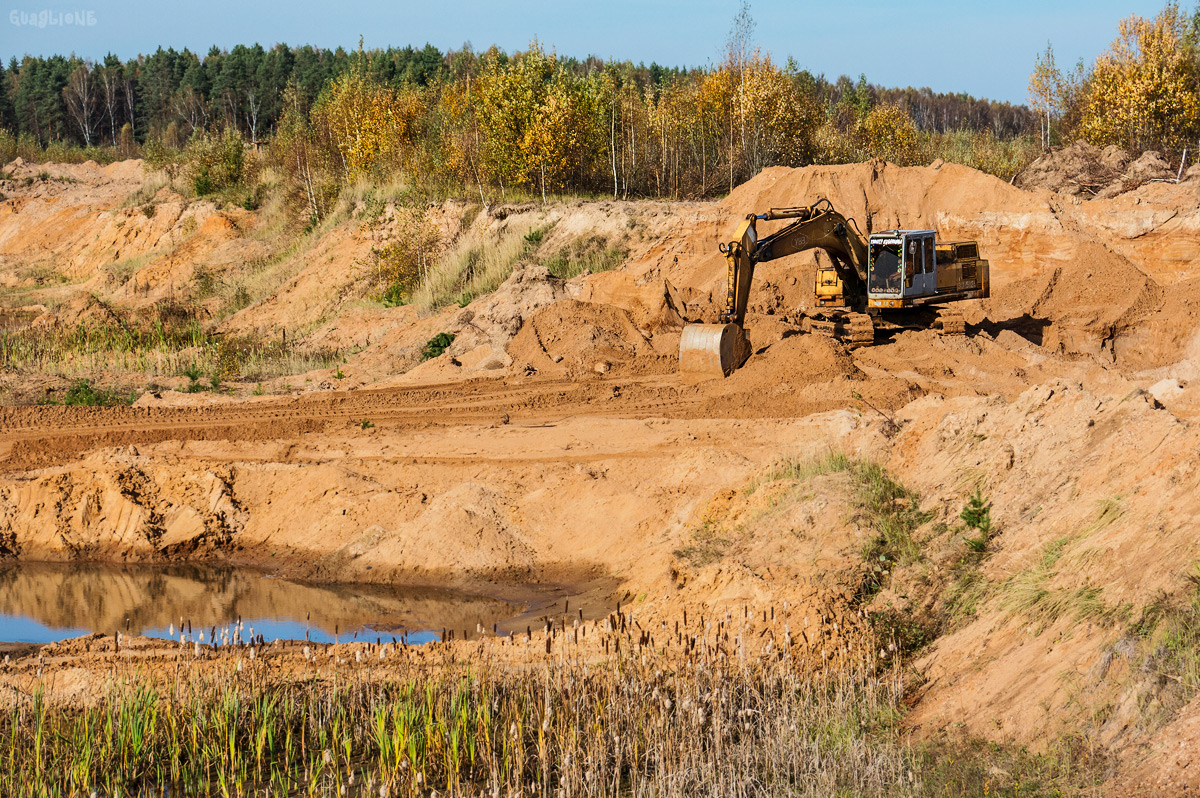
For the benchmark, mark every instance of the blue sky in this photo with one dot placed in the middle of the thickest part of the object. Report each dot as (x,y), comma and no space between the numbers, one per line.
(983,49)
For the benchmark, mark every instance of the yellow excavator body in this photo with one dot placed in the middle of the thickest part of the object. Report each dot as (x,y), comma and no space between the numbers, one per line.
(891,271)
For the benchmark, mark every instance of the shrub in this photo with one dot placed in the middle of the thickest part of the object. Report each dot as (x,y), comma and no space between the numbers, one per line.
(83,394)
(888,132)
(397,266)
(212,162)
(977,515)
(436,345)
(8,146)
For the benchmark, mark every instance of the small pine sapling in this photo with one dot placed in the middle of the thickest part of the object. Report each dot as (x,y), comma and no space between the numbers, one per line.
(977,515)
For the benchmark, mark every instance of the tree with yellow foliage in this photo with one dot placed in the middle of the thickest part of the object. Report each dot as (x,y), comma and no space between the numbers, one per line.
(369,123)
(887,132)
(564,134)
(307,157)
(1145,90)
(511,95)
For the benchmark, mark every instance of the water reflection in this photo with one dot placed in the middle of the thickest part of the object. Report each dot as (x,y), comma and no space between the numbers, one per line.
(44,602)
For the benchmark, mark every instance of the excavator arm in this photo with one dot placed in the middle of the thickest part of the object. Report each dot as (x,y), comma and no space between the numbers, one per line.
(715,350)
(817,226)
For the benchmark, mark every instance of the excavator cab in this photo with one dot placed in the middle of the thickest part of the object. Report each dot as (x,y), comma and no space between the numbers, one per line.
(901,267)
(908,268)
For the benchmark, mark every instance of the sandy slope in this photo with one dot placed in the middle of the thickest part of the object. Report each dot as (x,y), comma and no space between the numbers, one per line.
(555,441)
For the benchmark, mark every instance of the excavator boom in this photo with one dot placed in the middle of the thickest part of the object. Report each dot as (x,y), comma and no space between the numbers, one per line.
(715,350)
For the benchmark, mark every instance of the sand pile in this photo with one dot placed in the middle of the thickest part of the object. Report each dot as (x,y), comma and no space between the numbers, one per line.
(81,309)
(1081,307)
(800,374)
(1084,170)
(582,339)
(482,332)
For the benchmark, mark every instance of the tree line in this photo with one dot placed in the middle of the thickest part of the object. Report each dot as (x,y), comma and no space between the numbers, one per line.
(173,94)
(60,98)
(531,122)
(1142,93)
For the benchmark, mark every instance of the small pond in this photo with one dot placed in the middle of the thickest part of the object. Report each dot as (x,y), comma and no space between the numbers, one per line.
(46,602)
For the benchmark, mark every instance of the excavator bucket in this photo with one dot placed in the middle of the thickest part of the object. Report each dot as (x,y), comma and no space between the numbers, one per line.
(711,351)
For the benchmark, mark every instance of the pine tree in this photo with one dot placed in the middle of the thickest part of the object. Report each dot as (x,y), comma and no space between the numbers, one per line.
(977,515)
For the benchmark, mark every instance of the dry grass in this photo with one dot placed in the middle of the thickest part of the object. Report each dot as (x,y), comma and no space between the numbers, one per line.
(1029,593)
(802,468)
(886,507)
(160,350)
(475,266)
(698,711)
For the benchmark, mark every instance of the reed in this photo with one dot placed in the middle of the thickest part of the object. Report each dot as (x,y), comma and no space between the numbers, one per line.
(644,722)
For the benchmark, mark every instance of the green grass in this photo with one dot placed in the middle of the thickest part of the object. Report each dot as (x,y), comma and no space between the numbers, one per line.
(1169,628)
(887,508)
(668,720)
(589,254)
(84,394)
(802,468)
(891,511)
(174,344)
(632,727)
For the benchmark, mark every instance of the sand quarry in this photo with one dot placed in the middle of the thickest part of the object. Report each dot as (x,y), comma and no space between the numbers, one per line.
(554,441)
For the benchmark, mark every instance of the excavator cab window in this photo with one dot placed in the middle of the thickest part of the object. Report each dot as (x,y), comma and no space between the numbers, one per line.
(885,268)
(912,261)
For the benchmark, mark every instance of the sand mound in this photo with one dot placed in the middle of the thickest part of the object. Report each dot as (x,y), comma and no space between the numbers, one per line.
(482,333)
(1082,306)
(1084,170)
(800,374)
(654,304)
(81,309)
(578,339)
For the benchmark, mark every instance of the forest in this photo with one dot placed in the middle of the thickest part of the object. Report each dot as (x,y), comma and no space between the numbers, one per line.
(491,120)
(536,123)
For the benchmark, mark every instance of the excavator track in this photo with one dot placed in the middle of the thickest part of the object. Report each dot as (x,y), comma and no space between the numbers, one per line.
(852,329)
(952,322)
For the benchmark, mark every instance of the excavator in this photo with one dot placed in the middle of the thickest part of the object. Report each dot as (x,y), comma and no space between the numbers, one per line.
(891,280)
